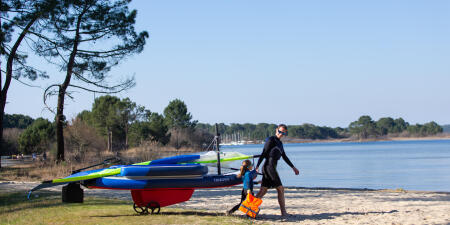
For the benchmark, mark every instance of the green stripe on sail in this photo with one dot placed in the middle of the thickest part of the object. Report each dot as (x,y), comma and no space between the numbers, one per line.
(225,159)
(142,163)
(103,173)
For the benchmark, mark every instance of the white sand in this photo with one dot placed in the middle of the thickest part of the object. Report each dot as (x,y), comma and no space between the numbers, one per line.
(309,206)
(312,206)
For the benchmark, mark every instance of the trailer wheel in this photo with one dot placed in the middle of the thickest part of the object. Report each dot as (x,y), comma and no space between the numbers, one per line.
(140,210)
(154,207)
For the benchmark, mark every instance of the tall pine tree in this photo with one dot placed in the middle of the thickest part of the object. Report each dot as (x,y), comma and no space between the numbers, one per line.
(86,40)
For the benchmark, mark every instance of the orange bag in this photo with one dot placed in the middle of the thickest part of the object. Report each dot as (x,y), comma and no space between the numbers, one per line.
(250,205)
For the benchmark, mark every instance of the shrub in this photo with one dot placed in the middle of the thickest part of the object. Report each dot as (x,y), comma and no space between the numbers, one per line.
(37,137)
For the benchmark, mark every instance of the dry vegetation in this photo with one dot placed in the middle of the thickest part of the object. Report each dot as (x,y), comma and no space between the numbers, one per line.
(40,170)
(11,136)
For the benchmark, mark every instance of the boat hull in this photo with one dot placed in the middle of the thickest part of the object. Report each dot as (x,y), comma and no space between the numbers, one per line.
(164,170)
(162,197)
(125,183)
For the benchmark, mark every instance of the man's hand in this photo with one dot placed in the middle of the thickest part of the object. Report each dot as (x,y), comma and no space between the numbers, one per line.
(257,169)
(296,171)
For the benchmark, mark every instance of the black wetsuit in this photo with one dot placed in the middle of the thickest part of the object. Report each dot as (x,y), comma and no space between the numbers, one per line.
(272,152)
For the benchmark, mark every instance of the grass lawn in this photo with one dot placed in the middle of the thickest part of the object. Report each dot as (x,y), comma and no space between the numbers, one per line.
(48,209)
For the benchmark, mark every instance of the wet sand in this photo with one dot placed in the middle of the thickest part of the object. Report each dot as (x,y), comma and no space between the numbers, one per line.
(310,206)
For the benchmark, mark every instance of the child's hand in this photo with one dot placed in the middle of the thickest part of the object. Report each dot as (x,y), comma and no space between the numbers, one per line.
(248,191)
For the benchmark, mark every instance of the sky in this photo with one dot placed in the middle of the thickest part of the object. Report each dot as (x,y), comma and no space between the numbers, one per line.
(294,62)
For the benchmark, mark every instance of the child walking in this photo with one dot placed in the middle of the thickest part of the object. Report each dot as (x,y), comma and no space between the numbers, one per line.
(246,173)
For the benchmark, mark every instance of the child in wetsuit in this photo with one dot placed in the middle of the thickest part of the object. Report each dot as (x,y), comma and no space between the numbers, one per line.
(246,173)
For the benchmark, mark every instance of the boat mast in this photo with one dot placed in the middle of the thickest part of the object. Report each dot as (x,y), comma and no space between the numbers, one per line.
(217,137)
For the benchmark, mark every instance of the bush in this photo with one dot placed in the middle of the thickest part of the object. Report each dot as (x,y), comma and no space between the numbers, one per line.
(190,137)
(10,138)
(80,138)
(37,137)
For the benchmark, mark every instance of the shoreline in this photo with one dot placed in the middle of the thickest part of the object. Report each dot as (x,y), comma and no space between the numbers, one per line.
(399,190)
(351,140)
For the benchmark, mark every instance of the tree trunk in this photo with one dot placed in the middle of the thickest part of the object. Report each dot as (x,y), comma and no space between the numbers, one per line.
(126,136)
(2,146)
(109,142)
(59,125)
(177,138)
(8,77)
(62,94)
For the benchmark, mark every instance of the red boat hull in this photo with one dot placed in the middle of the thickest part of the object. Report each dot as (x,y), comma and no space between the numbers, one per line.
(164,197)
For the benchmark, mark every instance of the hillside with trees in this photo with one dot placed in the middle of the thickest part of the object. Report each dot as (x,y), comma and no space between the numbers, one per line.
(363,128)
(446,128)
(259,132)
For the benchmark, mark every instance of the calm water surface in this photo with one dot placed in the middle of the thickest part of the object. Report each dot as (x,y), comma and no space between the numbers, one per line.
(411,165)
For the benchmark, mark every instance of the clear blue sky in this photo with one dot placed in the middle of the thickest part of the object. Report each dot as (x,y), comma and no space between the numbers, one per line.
(320,62)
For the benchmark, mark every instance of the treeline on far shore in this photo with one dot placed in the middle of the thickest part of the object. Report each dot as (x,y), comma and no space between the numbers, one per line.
(115,124)
(363,128)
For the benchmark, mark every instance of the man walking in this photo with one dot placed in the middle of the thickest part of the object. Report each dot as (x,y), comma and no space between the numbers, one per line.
(272,152)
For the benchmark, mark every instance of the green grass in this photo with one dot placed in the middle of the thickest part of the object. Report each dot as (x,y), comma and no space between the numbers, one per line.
(48,209)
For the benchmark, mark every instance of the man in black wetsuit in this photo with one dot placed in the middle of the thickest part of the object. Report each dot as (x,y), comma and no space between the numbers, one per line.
(272,152)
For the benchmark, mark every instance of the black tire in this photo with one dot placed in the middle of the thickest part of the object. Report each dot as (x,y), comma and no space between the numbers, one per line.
(140,210)
(154,207)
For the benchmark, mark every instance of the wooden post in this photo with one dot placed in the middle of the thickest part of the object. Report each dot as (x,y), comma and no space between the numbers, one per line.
(217,137)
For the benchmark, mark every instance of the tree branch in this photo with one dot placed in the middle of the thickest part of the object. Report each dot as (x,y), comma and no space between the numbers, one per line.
(101,92)
(47,94)
(102,52)
(29,85)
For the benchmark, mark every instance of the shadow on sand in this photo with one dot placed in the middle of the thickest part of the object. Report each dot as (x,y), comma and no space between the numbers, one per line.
(183,213)
(264,217)
(321,216)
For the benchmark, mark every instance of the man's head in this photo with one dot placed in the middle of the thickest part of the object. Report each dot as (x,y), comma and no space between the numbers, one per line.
(281,131)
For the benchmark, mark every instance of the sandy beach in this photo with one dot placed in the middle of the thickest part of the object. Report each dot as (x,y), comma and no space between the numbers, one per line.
(310,206)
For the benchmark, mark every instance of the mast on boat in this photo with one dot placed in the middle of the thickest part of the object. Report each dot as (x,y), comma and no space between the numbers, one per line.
(217,140)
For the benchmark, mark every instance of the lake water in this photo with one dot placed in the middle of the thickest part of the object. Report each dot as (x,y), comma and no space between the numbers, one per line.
(411,165)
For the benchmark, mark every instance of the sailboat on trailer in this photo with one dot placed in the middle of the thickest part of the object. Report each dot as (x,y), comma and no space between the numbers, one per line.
(154,184)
